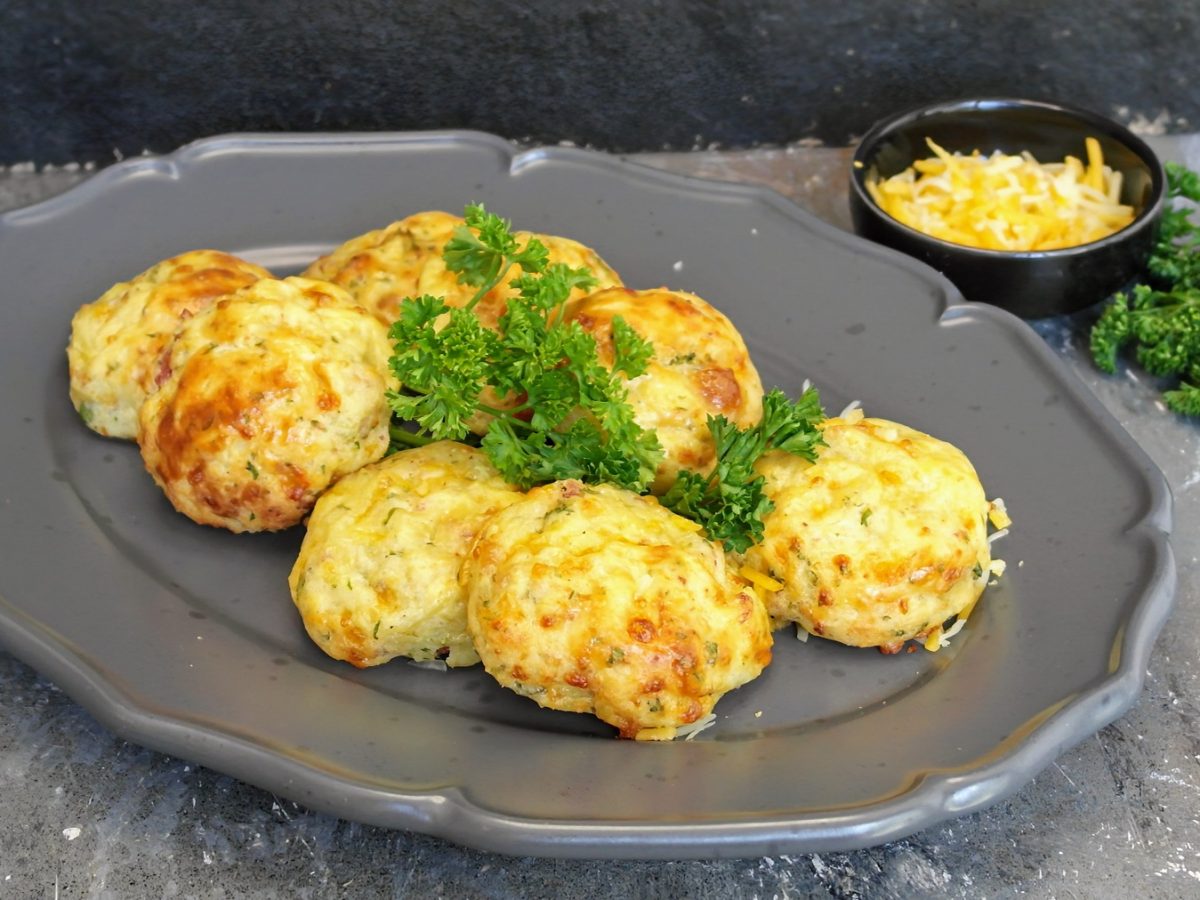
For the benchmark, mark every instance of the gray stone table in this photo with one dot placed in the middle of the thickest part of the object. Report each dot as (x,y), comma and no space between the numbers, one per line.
(84,813)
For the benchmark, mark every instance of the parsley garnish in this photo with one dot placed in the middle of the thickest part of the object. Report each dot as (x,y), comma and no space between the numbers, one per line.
(730,501)
(570,418)
(1162,316)
(565,414)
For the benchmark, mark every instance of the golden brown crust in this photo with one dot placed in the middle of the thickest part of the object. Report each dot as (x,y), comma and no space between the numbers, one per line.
(382,267)
(117,341)
(377,574)
(881,540)
(593,599)
(267,398)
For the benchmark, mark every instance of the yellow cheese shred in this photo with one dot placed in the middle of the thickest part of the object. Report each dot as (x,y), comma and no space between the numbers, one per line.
(1003,202)
(760,579)
(998,514)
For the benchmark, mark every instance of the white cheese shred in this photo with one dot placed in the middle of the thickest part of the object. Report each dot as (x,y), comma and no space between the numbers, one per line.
(437,665)
(687,732)
(944,638)
(850,407)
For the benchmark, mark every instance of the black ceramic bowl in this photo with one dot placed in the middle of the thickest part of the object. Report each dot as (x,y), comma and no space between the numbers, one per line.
(1031,284)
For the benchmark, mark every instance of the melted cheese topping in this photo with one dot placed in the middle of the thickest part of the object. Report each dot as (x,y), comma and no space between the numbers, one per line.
(587,598)
(268,397)
(382,267)
(1002,202)
(879,541)
(116,341)
(377,575)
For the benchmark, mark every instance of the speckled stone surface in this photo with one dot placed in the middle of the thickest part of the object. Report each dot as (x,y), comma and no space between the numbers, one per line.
(86,814)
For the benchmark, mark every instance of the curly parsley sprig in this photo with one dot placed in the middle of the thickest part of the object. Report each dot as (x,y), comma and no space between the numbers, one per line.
(569,418)
(730,501)
(1161,318)
(567,415)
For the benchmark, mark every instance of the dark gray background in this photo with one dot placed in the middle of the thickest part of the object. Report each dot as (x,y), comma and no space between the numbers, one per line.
(88,82)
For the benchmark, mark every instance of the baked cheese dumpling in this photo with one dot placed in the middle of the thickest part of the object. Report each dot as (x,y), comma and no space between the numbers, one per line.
(268,397)
(882,539)
(439,281)
(700,368)
(594,599)
(382,267)
(377,575)
(116,341)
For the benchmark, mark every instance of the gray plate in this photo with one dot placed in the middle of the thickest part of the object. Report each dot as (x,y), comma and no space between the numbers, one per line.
(183,638)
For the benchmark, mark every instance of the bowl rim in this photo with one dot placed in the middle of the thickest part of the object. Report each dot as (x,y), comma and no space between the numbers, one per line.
(1147,216)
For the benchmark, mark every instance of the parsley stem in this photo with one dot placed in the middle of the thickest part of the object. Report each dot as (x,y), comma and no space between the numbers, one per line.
(510,411)
(554,316)
(506,416)
(407,438)
(483,291)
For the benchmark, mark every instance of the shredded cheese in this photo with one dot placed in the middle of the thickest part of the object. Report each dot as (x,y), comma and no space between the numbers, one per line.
(1002,202)
(760,579)
(687,732)
(944,640)
(852,406)
(998,514)
(437,665)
